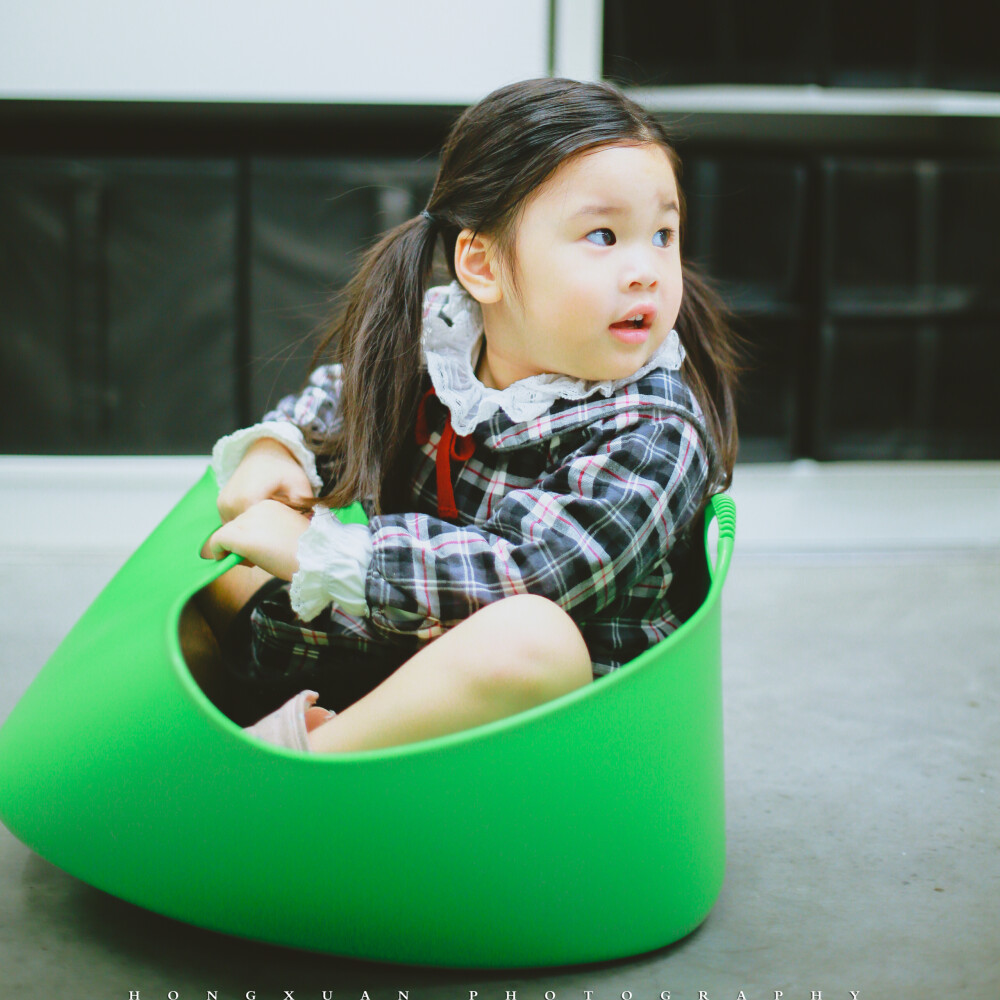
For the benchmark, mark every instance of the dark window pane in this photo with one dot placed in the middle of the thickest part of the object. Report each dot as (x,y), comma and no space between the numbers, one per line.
(868,386)
(965,418)
(768,395)
(38,374)
(873,237)
(310,223)
(878,44)
(968,239)
(716,41)
(170,232)
(966,35)
(745,225)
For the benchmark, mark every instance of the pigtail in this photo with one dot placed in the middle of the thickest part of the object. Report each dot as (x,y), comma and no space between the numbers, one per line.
(712,363)
(377,341)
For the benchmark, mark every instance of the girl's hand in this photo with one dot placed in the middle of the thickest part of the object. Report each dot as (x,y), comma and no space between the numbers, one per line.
(268,471)
(266,535)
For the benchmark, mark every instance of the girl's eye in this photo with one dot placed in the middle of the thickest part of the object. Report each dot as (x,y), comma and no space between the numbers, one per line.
(663,238)
(602,237)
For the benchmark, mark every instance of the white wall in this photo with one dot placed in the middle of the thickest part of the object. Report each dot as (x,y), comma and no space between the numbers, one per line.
(379,51)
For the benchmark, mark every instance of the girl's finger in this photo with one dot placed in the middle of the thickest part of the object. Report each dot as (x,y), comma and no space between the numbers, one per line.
(214,549)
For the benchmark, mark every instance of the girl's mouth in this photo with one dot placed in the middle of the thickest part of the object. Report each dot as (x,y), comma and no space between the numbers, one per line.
(640,322)
(639,317)
(634,329)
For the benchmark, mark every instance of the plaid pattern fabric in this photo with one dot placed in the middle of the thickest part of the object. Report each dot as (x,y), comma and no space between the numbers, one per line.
(581,505)
(277,656)
(283,646)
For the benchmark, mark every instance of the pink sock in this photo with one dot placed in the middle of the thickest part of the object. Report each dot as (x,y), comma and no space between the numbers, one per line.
(286,726)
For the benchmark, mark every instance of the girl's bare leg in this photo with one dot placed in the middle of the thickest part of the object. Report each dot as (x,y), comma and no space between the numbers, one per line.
(505,658)
(200,649)
(224,597)
(205,620)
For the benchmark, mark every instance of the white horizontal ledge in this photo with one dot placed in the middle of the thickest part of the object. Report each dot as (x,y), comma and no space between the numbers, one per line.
(867,507)
(99,506)
(87,506)
(815,100)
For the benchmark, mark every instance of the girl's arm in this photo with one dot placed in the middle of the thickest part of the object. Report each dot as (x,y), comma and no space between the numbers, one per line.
(272,459)
(266,535)
(590,529)
(268,470)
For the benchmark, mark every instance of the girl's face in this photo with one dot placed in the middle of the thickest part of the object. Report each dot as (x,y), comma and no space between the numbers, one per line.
(599,271)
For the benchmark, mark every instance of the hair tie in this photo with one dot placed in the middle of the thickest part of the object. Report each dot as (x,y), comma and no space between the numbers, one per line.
(430,218)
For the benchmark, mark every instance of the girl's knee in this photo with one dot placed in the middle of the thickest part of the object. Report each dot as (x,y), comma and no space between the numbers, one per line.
(531,650)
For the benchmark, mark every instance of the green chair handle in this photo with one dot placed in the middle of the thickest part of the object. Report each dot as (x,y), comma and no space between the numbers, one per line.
(722,510)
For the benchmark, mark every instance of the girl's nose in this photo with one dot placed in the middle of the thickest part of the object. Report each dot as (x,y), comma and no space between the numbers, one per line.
(639,272)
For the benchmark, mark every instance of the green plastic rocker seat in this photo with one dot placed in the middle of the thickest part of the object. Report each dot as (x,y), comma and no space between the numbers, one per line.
(586,829)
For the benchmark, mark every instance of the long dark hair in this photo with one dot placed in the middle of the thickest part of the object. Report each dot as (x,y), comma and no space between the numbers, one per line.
(498,152)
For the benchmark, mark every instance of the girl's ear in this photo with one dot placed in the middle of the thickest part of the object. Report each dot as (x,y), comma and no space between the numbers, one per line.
(475,266)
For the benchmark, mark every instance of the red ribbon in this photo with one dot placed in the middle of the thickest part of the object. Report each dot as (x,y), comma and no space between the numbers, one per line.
(451,445)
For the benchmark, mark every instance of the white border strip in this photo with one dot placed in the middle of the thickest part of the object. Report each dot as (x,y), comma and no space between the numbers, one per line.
(815,100)
(578,49)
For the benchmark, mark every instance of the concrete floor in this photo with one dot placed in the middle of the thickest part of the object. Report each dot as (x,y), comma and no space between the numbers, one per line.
(862,740)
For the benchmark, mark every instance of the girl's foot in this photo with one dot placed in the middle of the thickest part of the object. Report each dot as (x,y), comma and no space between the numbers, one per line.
(289,725)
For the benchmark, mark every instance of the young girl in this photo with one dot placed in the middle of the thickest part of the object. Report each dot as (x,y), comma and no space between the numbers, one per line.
(532,442)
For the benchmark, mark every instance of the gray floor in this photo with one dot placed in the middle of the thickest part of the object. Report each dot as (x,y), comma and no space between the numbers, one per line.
(863,813)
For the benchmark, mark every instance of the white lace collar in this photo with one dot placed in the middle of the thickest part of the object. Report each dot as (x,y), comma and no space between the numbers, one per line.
(452,331)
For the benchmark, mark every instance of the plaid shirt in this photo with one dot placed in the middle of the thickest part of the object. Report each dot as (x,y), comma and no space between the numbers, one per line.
(581,505)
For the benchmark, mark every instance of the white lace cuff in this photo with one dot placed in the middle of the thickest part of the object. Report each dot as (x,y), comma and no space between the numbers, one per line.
(333,565)
(229,451)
